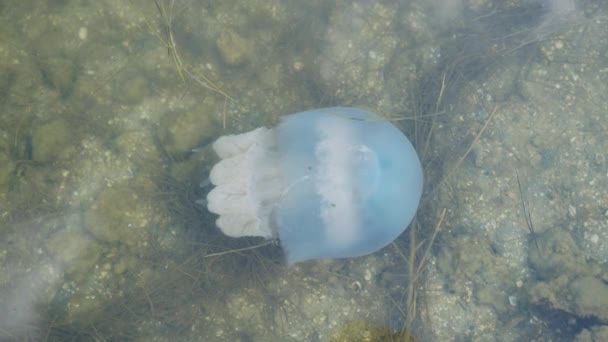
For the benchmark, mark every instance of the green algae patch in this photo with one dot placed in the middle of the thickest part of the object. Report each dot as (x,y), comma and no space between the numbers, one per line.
(84,299)
(234,48)
(556,254)
(571,286)
(84,305)
(590,297)
(57,62)
(121,215)
(75,250)
(52,141)
(593,334)
(182,131)
(133,90)
(364,331)
(6,168)
(140,149)
(60,73)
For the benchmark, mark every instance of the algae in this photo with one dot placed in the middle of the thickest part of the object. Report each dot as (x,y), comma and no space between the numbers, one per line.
(52,141)
(122,215)
(183,130)
(75,251)
(364,331)
(234,48)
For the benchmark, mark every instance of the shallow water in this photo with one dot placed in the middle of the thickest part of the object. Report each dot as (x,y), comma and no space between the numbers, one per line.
(108,109)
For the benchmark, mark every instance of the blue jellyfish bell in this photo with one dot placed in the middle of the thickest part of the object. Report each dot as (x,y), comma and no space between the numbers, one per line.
(328,183)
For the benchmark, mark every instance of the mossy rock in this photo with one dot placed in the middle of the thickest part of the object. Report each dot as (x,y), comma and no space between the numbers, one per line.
(82,303)
(234,48)
(180,132)
(590,298)
(140,149)
(133,90)
(364,331)
(122,215)
(52,141)
(554,253)
(60,73)
(593,334)
(6,168)
(75,250)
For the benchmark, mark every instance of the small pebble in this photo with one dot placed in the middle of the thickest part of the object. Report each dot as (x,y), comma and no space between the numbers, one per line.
(82,33)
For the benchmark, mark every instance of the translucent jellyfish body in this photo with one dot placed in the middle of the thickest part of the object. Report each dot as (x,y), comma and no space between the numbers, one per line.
(328,183)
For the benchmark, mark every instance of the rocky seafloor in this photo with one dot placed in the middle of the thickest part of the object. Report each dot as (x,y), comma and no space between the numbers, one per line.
(108,109)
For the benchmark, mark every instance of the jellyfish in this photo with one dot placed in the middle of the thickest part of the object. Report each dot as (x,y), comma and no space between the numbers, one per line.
(327,183)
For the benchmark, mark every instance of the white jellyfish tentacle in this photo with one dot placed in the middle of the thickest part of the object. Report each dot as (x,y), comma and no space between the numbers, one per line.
(247,183)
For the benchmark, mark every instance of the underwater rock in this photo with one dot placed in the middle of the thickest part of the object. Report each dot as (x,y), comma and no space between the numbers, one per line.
(582,298)
(75,250)
(133,90)
(557,254)
(121,215)
(57,60)
(593,334)
(493,297)
(139,148)
(60,73)
(234,49)
(52,141)
(180,132)
(589,298)
(364,331)
(571,282)
(328,183)
(6,168)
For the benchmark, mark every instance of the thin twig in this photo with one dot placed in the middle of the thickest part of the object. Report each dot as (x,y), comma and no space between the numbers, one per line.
(432,128)
(239,250)
(485,126)
(526,210)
